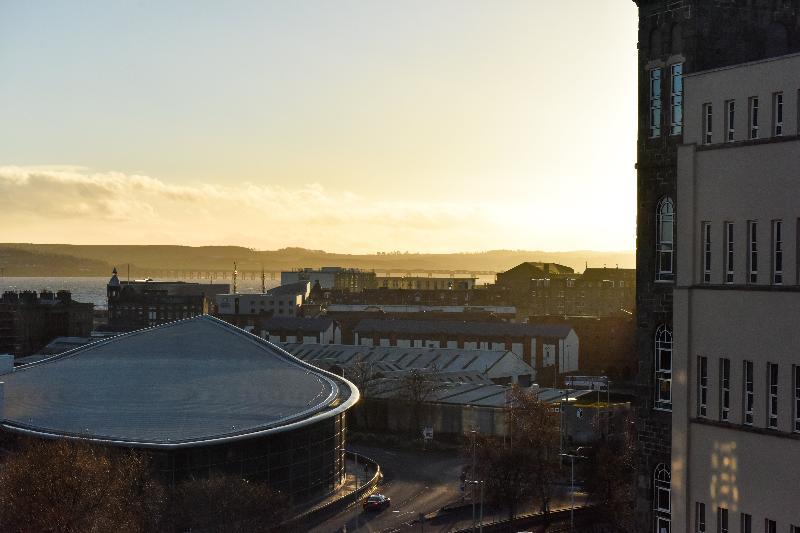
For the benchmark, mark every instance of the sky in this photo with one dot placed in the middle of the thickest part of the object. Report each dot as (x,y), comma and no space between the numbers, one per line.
(347,126)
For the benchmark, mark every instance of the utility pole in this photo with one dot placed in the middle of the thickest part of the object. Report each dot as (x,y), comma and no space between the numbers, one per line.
(472,480)
(572,490)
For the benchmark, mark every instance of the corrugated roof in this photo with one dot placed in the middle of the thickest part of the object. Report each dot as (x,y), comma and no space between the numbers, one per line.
(467,328)
(186,382)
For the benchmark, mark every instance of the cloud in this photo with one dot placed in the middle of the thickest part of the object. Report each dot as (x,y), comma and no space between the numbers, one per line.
(73,204)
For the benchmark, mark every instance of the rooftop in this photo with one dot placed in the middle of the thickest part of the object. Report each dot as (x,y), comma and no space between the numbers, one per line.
(453,327)
(189,382)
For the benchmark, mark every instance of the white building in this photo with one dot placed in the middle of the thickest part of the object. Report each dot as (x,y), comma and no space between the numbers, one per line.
(734,377)
(301,330)
(285,300)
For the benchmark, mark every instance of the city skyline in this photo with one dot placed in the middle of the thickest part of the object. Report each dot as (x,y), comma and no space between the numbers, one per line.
(349,127)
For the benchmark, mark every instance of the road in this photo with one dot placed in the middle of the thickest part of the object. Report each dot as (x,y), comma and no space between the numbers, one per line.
(418,482)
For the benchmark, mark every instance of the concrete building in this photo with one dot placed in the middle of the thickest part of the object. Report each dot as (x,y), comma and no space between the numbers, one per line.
(496,366)
(301,330)
(333,278)
(284,300)
(28,321)
(736,362)
(678,38)
(551,350)
(144,303)
(199,396)
(425,283)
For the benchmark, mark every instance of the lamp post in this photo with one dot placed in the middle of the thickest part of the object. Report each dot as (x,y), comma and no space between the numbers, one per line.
(472,478)
(572,491)
(474,482)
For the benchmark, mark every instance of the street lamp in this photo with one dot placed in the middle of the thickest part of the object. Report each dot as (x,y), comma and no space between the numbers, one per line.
(572,492)
(474,482)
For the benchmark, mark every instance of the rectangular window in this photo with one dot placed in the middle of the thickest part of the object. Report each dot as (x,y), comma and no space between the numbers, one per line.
(770,526)
(730,115)
(708,123)
(722,520)
(772,396)
(655,102)
(676,99)
(794,529)
(699,517)
(754,117)
(746,523)
(702,386)
(706,252)
(796,374)
(752,253)
(724,389)
(777,252)
(749,393)
(729,252)
(777,114)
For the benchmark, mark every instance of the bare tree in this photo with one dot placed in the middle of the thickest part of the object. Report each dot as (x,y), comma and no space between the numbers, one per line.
(69,486)
(417,388)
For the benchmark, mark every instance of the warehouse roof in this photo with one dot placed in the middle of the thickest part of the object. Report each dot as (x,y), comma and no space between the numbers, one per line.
(189,382)
(452,327)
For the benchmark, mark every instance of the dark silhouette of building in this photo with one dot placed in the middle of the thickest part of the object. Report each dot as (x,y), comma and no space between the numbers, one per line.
(28,321)
(144,303)
(677,38)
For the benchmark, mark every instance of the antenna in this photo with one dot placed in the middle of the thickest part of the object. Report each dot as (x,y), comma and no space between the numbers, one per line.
(263,281)
(235,276)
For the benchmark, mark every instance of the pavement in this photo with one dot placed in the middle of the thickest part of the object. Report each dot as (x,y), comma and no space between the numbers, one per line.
(420,484)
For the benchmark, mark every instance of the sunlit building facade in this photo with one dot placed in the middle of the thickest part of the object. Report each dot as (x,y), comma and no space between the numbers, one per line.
(736,358)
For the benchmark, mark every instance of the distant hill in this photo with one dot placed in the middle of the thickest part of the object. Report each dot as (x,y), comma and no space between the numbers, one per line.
(21,259)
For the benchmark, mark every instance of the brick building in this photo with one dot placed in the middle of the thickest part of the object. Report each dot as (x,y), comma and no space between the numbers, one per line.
(28,321)
(677,38)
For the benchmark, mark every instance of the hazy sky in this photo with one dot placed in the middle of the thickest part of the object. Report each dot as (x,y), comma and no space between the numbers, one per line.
(358,126)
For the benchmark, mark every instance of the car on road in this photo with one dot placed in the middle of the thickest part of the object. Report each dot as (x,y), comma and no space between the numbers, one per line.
(377,502)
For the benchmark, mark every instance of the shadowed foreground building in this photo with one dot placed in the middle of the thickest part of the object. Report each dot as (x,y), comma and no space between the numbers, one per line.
(199,395)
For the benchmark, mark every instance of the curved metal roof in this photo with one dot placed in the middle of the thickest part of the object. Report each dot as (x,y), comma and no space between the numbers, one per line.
(190,382)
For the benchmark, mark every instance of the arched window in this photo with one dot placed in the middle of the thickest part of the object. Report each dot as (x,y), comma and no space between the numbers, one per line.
(663,366)
(661,498)
(665,227)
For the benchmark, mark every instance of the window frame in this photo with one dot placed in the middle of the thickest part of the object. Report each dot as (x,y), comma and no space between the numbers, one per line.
(748,392)
(730,117)
(708,123)
(662,482)
(752,251)
(777,114)
(729,253)
(663,375)
(770,526)
(753,117)
(676,98)
(699,517)
(665,247)
(777,252)
(705,230)
(702,386)
(773,377)
(655,119)
(745,523)
(796,399)
(724,389)
(723,525)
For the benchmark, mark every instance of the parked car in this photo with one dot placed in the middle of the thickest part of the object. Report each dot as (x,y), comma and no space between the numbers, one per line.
(377,502)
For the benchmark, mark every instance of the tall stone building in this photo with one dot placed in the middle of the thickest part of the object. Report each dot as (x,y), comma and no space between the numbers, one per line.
(678,37)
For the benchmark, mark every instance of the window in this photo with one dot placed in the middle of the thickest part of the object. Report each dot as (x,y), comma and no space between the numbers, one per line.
(777,252)
(724,389)
(796,374)
(702,386)
(661,498)
(772,396)
(729,252)
(747,400)
(730,114)
(699,517)
(752,257)
(722,520)
(777,114)
(754,117)
(770,526)
(663,368)
(794,529)
(708,116)
(676,99)
(746,523)
(655,102)
(706,252)
(665,242)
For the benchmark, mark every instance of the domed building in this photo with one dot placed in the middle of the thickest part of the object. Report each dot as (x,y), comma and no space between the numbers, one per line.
(200,396)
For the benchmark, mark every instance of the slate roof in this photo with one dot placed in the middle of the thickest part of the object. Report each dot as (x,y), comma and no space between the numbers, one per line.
(452,327)
(315,325)
(185,383)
